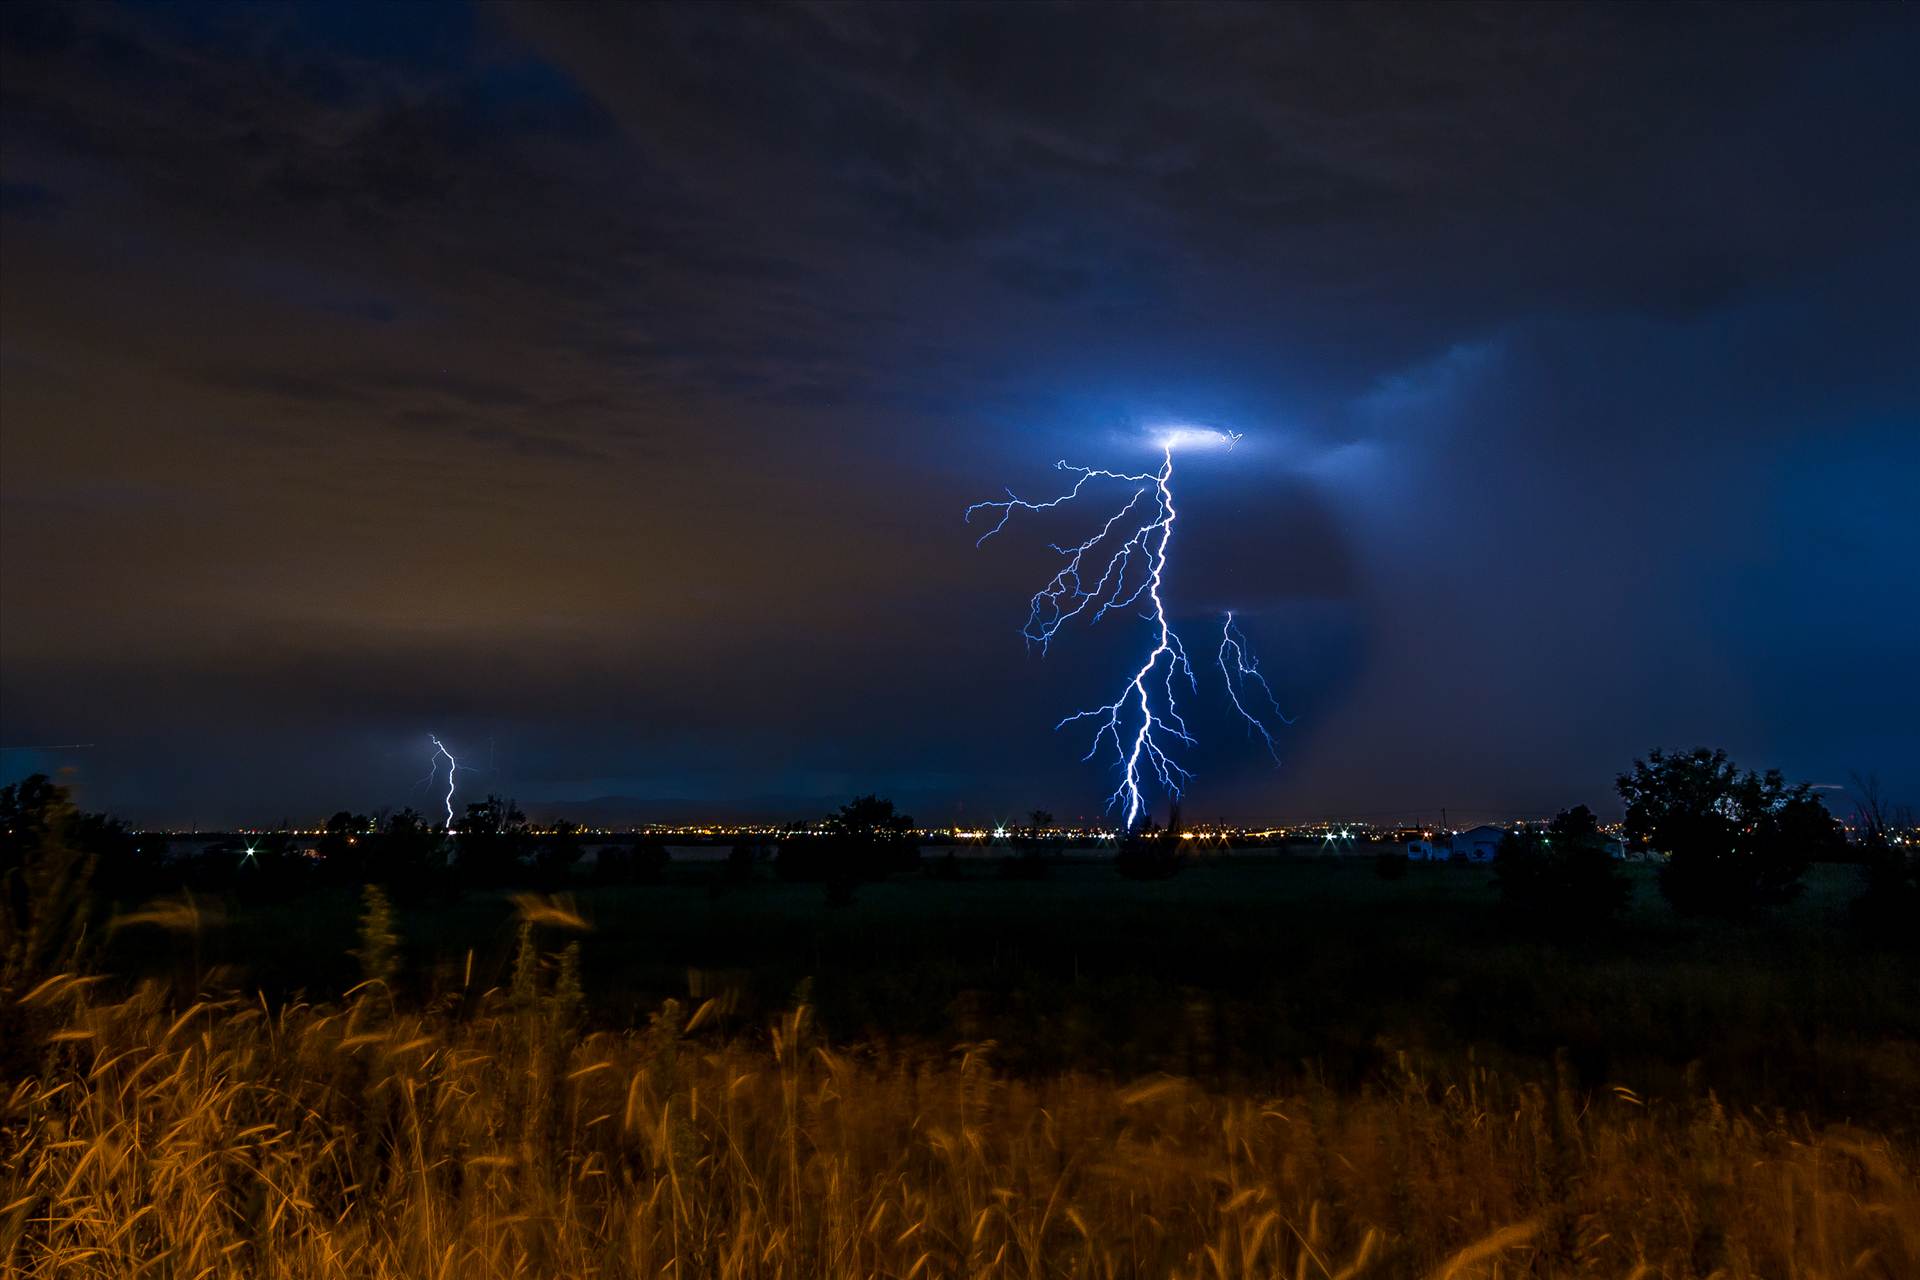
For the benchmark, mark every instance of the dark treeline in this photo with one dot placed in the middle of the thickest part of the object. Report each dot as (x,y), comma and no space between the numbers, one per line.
(1708,952)
(1727,843)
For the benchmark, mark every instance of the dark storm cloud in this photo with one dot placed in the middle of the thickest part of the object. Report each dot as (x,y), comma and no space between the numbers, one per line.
(602,379)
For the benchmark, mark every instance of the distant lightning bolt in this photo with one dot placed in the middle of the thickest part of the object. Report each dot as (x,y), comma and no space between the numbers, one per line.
(439,749)
(1127,563)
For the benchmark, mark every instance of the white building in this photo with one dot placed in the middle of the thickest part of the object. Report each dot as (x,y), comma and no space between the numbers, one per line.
(1480,843)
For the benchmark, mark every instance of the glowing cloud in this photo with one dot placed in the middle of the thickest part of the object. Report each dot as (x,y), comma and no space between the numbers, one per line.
(1173,438)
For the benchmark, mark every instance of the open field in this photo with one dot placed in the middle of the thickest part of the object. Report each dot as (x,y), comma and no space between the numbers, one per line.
(1245,973)
(229,1140)
(1262,1067)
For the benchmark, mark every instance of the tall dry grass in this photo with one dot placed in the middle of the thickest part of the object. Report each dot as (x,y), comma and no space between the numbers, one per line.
(228,1140)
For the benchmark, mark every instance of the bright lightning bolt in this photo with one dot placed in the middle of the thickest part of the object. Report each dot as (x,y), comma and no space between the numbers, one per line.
(1120,566)
(439,749)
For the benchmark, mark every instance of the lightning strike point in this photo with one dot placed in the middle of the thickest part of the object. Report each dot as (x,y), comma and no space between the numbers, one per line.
(439,749)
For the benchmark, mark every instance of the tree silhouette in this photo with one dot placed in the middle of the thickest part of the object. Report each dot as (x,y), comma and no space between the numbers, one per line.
(346,848)
(557,855)
(1148,853)
(1030,862)
(1890,897)
(1734,841)
(865,839)
(410,858)
(490,843)
(1562,876)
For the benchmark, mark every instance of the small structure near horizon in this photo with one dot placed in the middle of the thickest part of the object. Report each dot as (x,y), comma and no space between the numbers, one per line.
(1478,844)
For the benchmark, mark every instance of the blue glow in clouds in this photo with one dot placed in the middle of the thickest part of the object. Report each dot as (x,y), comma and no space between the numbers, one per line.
(1127,563)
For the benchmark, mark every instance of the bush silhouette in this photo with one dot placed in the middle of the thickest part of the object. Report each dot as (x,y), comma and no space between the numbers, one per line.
(1562,876)
(864,840)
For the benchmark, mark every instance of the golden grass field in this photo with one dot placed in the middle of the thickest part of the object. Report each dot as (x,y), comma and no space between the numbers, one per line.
(488,1138)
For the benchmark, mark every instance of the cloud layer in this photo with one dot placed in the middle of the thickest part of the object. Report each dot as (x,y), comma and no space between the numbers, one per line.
(602,383)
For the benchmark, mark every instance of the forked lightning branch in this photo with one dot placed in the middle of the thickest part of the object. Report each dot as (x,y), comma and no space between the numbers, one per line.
(1122,565)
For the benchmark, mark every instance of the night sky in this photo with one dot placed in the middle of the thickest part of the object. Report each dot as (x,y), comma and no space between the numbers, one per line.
(600,389)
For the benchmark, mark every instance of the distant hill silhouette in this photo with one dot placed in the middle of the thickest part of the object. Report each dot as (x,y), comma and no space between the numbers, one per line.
(629,811)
